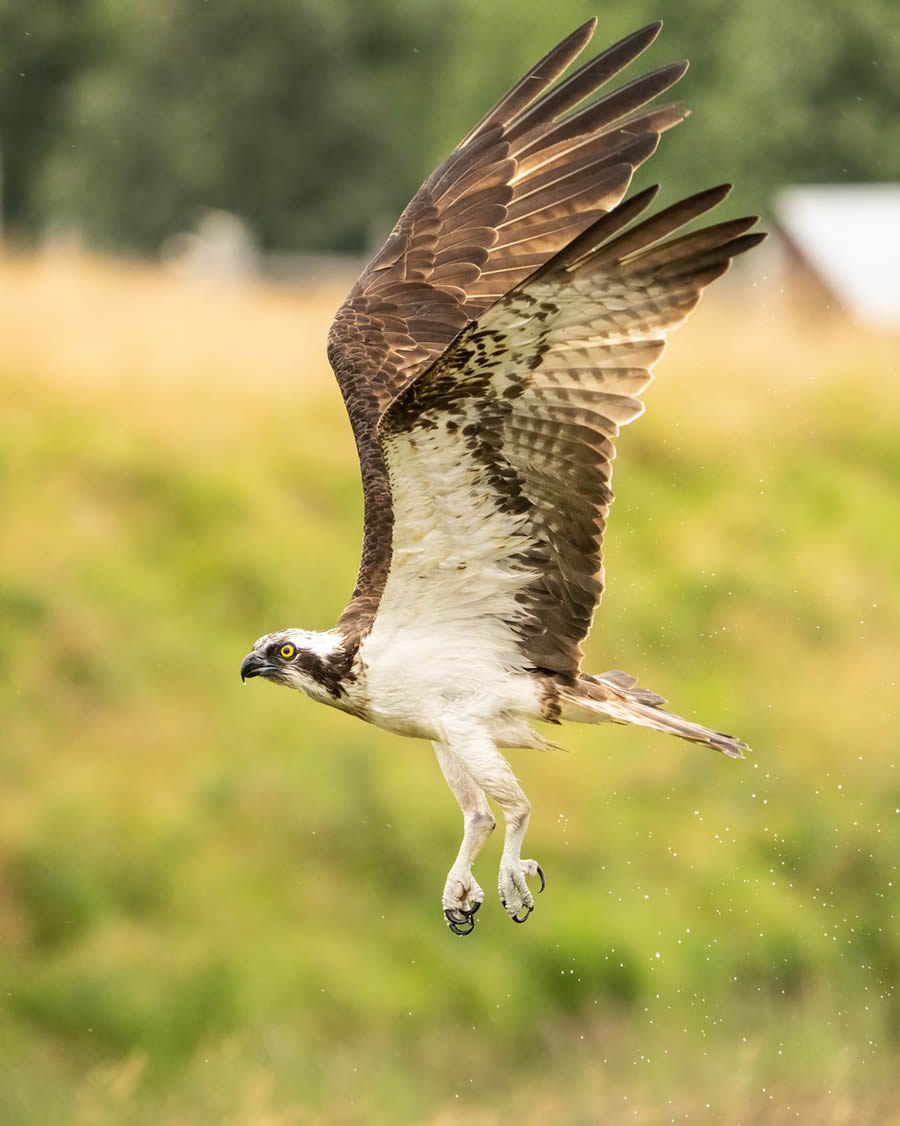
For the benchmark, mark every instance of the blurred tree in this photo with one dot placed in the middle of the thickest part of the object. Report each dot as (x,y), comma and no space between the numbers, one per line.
(293,113)
(315,121)
(42,48)
(794,93)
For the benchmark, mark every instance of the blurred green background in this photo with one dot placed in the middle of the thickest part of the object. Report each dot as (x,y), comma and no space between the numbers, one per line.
(315,120)
(222,904)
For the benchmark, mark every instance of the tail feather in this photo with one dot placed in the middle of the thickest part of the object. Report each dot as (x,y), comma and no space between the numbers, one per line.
(613,698)
(625,680)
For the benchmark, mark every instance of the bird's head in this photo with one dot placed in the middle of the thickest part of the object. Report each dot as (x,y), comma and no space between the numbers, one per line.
(314,663)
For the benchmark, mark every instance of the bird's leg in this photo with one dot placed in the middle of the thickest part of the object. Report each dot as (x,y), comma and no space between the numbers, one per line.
(462,896)
(490,770)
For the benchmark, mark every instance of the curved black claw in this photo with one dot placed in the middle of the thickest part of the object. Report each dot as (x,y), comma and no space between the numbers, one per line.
(543,881)
(516,919)
(455,925)
(474,910)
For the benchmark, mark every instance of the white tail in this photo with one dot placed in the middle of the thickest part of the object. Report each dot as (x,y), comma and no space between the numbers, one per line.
(613,698)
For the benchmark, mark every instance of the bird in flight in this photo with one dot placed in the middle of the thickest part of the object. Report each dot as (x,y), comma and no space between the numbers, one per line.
(487,356)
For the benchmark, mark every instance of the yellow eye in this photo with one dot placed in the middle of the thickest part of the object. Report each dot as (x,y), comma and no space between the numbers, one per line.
(287,651)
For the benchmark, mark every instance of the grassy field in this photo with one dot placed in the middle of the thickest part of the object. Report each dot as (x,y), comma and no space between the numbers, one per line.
(221,905)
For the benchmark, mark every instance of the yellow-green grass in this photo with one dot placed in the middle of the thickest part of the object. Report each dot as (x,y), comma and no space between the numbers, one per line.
(221,904)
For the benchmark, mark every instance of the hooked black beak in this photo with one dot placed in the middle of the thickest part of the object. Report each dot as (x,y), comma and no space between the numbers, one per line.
(252,665)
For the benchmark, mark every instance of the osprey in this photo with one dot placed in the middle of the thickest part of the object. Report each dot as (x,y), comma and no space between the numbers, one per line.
(487,357)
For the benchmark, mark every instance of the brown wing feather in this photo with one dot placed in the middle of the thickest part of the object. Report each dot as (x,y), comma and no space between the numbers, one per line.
(524,171)
(533,174)
(534,394)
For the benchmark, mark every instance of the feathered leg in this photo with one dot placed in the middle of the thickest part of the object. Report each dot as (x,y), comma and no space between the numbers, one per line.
(483,763)
(462,895)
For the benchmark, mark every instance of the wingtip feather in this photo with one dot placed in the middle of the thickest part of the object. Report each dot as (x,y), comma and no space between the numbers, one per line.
(644,35)
(582,35)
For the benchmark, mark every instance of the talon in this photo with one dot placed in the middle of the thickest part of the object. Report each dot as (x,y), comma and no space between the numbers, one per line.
(516,919)
(469,914)
(454,924)
(543,881)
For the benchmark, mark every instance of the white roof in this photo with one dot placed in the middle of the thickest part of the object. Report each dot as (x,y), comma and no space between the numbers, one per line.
(850,235)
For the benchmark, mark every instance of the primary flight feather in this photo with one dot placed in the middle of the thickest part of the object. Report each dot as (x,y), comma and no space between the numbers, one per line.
(487,357)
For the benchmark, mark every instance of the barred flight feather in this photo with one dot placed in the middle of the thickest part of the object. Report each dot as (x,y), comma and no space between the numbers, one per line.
(534,432)
(534,174)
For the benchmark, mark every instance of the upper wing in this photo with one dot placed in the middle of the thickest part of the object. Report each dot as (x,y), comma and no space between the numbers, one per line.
(520,186)
(499,456)
(525,181)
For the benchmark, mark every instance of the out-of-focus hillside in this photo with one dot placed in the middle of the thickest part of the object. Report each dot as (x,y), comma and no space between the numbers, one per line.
(222,904)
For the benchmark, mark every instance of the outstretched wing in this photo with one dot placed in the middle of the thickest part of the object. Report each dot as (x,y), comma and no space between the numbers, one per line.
(500,456)
(531,176)
(520,186)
